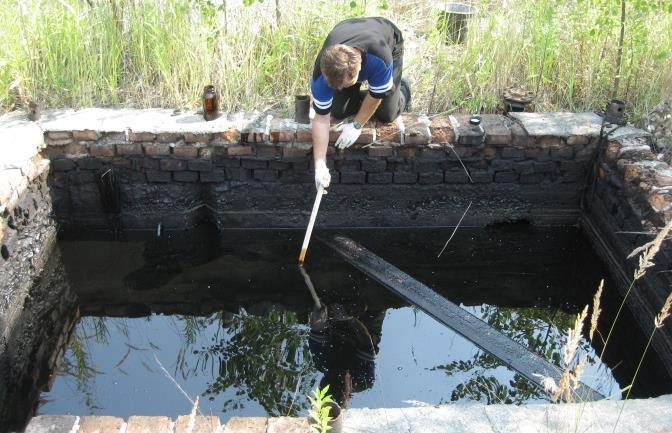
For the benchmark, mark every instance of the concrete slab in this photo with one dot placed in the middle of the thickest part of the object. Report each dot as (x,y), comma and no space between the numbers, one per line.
(20,140)
(146,120)
(51,424)
(646,415)
(149,424)
(623,132)
(246,425)
(100,424)
(286,424)
(560,124)
(201,424)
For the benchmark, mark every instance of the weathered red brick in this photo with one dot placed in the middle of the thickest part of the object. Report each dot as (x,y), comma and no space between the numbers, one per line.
(282,136)
(380,151)
(156,149)
(304,135)
(141,136)
(168,137)
(173,164)
(407,152)
(150,164)
(513,152)
(537,153)
(59,135)
(102,150)
(63,142)
(282,130)
(54,152)
(240,151)
(129,149)
(76,149)
(562,152)
(294,153)
(549,141)
(462,151)
(121,162)
(185,151)
(197,138)
(578,140)
(267,151)
(85,135)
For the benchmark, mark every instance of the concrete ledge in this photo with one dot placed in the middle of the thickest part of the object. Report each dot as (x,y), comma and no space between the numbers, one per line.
(560,124)
(650,415)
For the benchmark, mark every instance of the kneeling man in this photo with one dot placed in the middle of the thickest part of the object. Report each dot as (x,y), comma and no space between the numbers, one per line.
(356,50)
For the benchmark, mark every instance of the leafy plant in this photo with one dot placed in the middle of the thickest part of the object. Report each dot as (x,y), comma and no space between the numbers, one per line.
(320,410)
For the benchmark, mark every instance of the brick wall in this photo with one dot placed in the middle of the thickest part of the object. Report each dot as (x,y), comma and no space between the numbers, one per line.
(258,172)
(627,203)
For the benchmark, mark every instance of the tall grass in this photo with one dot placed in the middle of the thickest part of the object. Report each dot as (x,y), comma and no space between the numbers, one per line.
(160,53)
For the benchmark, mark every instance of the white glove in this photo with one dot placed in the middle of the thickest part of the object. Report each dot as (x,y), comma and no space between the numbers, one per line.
(348,136)
(322,176)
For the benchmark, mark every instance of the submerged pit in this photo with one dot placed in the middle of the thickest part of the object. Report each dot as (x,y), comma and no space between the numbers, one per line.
(227,315)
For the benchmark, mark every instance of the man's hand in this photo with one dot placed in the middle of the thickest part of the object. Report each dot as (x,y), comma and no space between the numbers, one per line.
(322,176)
(348,136)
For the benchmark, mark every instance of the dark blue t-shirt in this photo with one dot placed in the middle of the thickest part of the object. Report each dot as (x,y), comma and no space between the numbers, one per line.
(378,39)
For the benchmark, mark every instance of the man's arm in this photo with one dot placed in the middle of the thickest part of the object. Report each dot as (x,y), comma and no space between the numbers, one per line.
(320,128)
(369,106)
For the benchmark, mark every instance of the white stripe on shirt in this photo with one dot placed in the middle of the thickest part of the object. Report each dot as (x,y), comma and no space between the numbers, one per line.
(322,105)
(384,88)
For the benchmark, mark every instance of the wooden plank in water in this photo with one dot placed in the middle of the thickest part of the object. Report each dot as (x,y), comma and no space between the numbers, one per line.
(509,352)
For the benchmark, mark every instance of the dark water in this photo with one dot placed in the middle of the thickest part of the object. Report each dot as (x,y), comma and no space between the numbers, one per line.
(227,316)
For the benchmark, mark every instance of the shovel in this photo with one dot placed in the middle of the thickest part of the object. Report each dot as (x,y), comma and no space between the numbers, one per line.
(311,223)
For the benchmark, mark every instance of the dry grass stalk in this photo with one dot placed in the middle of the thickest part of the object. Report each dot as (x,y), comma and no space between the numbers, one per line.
(650,249)
(664,312)
(596,310)
(574,336)
(192,417)
(571,376)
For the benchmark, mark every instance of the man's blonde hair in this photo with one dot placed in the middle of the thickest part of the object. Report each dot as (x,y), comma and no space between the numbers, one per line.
(339,64)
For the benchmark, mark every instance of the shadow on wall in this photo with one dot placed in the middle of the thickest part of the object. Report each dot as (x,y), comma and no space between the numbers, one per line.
(28,363)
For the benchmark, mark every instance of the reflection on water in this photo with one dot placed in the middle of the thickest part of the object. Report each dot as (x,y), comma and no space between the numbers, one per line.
(250,342)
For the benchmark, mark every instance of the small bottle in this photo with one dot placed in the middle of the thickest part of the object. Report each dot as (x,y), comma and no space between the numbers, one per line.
(210,103)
